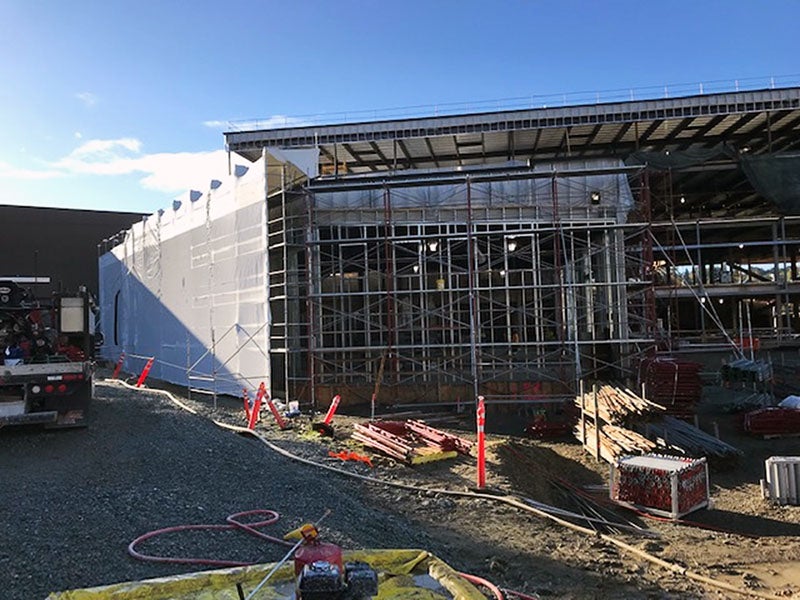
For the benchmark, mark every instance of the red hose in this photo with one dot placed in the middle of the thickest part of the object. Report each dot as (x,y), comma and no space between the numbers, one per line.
(233,523)
(487,584)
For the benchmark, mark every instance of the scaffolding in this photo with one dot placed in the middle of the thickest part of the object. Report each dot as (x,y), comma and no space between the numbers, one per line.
(511,284)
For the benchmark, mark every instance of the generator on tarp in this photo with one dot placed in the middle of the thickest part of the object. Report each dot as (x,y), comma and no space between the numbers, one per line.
(321,573)
(402,574)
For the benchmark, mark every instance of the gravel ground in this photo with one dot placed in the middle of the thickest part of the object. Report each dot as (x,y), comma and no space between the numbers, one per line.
(71,501)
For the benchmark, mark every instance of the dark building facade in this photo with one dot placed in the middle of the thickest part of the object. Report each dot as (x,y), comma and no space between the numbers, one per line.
(57,243)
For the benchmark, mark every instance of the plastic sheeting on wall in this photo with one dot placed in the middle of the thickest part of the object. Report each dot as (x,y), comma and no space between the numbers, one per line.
(573,192)
(188,286)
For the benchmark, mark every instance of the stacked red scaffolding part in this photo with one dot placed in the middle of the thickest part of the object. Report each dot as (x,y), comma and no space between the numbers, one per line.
(667,486)
(412,442)
(773,421)
(672,383)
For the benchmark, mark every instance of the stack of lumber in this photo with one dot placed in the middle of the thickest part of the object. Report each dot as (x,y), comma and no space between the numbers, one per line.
(616,405)
(615,441)
(675,384)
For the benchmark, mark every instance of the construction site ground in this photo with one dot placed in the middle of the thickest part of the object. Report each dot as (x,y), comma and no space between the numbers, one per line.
(73,500)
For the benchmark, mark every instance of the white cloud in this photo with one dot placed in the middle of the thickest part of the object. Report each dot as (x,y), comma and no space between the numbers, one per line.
(88,98)
(273,122)
(78,135)
(168,172)
(182,171)
(8,171)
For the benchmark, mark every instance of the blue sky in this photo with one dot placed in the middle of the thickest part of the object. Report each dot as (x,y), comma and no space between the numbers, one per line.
(120,106)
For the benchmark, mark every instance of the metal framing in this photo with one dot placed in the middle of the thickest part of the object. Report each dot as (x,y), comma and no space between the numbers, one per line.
(513,301)
(503,301)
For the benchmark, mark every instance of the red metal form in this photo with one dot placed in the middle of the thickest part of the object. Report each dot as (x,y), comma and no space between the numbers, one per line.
(332,409)
(667,486)
(383,440)
(410,441)
(118,368)
(480,415)
(438,438)
(148,365)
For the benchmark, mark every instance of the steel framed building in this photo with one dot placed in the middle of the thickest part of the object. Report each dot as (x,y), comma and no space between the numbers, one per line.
(514,254)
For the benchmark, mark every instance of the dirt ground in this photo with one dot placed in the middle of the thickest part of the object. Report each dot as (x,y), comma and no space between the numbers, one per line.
(743,541)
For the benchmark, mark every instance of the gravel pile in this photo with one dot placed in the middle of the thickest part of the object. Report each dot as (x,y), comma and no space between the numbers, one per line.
(72,500)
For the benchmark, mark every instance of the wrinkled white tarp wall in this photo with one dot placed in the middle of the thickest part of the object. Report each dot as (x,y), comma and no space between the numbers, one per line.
(189,286)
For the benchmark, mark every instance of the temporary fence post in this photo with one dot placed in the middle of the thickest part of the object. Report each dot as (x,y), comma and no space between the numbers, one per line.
(148,365)
(332,409)
(118,368)
(481,418)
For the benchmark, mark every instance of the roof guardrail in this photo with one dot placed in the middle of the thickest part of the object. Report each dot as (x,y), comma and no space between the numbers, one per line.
(654,92)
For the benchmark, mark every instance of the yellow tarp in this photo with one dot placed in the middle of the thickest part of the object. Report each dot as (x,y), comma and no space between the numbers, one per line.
(402,574)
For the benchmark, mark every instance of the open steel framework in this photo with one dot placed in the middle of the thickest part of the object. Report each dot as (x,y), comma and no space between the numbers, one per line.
(510,299)
(513,299)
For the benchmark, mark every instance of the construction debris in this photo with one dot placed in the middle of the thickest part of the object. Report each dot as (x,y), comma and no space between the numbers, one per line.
(348,455)
(412,442)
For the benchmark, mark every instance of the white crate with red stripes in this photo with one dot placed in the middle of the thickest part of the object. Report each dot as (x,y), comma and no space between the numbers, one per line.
(666,486)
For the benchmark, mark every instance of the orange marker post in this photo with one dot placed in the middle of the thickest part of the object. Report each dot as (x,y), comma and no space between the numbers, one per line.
(118,368)
(481,418)
(332,410)
(145,371)
(255,412)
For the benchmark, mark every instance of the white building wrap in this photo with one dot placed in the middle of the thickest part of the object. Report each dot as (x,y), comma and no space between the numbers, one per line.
(188,286)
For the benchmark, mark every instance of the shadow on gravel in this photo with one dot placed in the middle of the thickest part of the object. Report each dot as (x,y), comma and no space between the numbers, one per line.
(748,525)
